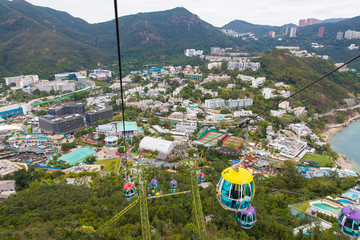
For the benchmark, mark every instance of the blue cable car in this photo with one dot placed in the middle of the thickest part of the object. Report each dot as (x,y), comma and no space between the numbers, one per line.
(246,218)
(236,189)
(129,190)
(349,220)
(154,184)
(201,177)
(173,186)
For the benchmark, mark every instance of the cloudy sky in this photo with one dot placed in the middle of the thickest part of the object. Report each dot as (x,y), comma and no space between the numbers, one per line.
(218,13)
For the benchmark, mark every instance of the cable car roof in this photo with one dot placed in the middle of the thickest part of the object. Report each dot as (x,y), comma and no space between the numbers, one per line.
(348,212)
(128,186)
(249,210)
(242,176)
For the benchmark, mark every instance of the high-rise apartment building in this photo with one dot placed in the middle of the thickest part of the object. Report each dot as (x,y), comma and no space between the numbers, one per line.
(321,32)
(308,22)
(293,32)
(302,23)
(339,36)
(272,34)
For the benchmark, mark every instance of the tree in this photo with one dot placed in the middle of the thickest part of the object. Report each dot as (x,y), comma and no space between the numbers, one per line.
(101,136)
(121,150)
(90,159)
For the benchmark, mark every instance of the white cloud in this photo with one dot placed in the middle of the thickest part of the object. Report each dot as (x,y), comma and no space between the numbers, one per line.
(218,13)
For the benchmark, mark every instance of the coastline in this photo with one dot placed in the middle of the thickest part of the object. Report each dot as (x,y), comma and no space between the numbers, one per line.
(331,129)
(343,160)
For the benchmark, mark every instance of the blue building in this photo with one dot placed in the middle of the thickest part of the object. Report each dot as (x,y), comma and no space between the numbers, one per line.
(10,111)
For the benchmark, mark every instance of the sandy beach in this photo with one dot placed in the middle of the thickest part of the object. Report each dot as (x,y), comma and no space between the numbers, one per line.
(343,160)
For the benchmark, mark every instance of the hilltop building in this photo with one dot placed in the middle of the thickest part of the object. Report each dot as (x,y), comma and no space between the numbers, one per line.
(339,36)
(100,74)
(193,52)
(308,22)
(350,34)
(22,81)
(272,34)
(243,65)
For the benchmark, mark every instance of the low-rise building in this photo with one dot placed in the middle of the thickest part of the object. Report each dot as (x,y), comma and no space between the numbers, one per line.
(193,52)
(22,81)
(267,93)
(186,127)
(284,105)
(7,188)
(12,111)
(131,129)
(288,147)
(214,65)
(214,103)
(8,168)
(277,113)
(243,65)
(100,74)
(242,113)
(300,129)
(164,147)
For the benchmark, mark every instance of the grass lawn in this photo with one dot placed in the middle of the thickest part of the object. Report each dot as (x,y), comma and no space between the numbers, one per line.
(323,160)
(111,165)
(302,207)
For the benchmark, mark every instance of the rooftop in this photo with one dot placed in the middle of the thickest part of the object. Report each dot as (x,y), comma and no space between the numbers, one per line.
(79,155)
(129,126)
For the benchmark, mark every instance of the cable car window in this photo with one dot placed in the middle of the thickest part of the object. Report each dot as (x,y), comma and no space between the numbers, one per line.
(348,223)
(246,190)
(235,191)
(356,226)
(226,188)
(341,218)
(243,217)
(249,218)
(252,188)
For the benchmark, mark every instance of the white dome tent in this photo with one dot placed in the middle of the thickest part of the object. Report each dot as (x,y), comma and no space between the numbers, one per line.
(163,146)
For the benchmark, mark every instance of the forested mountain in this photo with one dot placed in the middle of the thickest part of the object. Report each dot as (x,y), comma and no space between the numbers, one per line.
(40,40)
(28,46)
(46,40)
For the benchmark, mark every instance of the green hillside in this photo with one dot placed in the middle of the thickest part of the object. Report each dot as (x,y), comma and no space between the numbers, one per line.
(282,66)
(29,47)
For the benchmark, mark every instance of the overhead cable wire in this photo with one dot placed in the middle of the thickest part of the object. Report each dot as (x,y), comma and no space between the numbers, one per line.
(120,74)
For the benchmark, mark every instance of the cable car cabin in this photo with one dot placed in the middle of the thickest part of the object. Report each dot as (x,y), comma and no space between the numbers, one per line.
(235,189)
(154,184)
(173,186)
(246,218)
(129,190)
(349,220)
(201,177)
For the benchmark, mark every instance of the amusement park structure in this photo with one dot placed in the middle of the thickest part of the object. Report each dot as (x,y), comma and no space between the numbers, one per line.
(143,196)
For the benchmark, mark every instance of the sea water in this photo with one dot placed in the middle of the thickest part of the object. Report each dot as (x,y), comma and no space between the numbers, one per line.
(347,142)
